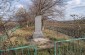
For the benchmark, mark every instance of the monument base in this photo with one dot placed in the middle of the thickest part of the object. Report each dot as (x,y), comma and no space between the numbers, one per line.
(38,34)
(43,43)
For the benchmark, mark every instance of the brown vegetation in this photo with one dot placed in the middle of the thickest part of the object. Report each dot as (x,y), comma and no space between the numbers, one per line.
(71,29)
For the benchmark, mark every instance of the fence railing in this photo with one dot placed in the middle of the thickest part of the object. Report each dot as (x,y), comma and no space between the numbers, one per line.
(25,50)
(63,47)
(70,47)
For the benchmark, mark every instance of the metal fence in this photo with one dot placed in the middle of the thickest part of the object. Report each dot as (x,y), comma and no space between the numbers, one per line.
(25,50)
(70,47)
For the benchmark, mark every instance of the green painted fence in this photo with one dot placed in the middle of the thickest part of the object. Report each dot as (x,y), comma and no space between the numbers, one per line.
(25,50)
(70,47)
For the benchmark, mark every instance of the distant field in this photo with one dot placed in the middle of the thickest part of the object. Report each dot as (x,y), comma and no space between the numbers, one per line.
(71,29)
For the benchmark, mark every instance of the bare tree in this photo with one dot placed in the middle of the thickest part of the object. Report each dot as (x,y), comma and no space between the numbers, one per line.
(47,8)
(77,20)
(52,8)
(23,17)
(78,23)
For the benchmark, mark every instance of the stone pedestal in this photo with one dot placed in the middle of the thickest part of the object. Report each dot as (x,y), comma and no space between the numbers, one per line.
(38,27)
(42,43)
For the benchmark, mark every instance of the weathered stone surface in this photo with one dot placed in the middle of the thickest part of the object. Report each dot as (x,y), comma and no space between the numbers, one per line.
(43,43)
(38,27)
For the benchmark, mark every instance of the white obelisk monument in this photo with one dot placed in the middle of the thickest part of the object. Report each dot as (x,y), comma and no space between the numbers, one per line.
(38,37)
(38,27)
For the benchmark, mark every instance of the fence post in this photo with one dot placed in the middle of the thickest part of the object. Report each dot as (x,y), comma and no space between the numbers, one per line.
(55,48)
(0,52)
(35,52)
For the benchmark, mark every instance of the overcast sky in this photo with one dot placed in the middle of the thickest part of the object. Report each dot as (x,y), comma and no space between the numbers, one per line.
(72,7)
(75,7)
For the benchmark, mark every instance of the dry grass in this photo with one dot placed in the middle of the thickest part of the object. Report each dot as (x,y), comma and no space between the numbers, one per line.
(22,35)
(54,34)
(25,33)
